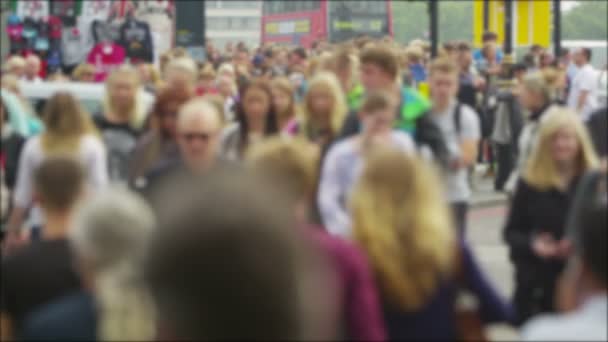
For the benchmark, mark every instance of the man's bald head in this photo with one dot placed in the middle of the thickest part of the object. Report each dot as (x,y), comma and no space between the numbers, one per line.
(198,111)
(198,130)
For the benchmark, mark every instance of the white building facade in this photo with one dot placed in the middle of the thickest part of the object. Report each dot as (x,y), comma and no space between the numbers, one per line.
(233,21)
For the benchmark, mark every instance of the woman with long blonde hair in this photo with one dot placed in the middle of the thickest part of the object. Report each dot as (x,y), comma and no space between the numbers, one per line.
(324,110)
(68,131)
(535,226)
(122,119)
(403,224)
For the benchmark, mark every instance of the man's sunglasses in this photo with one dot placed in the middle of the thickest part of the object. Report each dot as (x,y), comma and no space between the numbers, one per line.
(204,137)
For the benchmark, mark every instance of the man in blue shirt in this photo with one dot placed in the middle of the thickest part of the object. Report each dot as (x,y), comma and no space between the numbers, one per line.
(491,48)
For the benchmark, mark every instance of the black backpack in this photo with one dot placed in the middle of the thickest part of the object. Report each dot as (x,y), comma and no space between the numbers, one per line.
(428,134)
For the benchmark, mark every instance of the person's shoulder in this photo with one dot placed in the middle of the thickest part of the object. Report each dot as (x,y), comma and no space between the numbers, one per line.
(554,327)
(57,319)
(403,140)
(343,146)
(342,251)
(468,113)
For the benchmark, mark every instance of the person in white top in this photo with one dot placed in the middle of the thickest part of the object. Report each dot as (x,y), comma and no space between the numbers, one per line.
(345,160)
(32,69)
(583,91)
(69,132)
(583,288)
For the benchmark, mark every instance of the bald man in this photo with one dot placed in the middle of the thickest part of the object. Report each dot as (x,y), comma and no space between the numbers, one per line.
(32,69)
(199,126)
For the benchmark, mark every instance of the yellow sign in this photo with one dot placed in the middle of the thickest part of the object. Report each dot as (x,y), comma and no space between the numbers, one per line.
(287,27)
(355,25)
(531,21)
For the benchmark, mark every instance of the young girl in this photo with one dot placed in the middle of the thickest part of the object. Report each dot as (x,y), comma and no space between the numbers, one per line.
(121,121)
(256,119)
(535,225)
(284,100)
(324,110)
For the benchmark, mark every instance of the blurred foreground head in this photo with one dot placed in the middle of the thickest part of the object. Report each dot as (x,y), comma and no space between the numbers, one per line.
(111,234)
(227,264)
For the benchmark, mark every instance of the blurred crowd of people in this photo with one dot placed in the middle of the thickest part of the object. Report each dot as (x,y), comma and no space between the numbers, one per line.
(304,194)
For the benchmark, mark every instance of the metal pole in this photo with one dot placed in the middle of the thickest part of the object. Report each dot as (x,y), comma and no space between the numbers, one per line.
(486,15)
(508,43)
(557,28)
(433,29)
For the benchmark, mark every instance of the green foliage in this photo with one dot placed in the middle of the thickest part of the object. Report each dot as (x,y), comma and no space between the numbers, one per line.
(586,21)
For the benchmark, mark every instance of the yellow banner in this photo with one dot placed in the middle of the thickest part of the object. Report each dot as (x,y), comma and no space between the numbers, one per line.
(531,21)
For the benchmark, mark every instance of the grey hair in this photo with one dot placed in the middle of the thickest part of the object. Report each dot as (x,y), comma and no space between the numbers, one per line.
(111,233)
(112,227)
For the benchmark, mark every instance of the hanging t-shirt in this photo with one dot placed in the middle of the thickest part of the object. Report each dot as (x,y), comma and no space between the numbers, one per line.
(120,141)
(135,37)
(159,15)
(106,57)
(72,46)
(92,10)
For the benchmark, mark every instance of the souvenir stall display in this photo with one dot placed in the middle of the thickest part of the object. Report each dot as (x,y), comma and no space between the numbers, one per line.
(105,33)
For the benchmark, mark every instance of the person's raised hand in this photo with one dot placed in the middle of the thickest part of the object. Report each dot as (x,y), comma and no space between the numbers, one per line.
(544,246)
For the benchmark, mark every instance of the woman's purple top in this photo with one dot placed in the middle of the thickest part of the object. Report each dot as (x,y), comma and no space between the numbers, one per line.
(358,298)
(436,319)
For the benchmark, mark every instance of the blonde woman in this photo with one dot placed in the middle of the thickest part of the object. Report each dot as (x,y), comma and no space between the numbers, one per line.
(324,110)
(110,236)
(122,120)
(403,225)
(535,226)
(537,94)
(68,131)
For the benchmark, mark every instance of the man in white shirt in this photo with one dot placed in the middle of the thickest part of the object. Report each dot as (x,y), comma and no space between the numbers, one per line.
(584,287)
(32,69)
(583,91)
(461,132)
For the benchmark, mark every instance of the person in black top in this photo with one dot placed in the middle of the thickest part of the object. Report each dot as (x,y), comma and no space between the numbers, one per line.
(42,271)
(535,229)
(110,236)
(597,123)
(121,121)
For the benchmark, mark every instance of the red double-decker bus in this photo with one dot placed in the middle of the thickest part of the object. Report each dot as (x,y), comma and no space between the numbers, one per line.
(303,22)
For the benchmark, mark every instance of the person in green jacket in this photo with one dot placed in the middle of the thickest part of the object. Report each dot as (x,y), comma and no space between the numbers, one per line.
(379,71)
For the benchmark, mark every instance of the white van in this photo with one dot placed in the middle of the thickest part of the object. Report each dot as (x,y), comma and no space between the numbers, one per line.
(90,95)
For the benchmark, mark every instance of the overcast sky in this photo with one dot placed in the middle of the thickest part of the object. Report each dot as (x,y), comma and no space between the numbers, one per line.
(569,4)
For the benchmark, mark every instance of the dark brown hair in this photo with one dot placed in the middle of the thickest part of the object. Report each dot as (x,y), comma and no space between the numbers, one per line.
(376,101)
(58,183)
(383,57)
(271,117)
(218,274)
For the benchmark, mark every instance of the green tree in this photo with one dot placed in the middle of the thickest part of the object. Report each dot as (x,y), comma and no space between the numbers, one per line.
(411,20)
(586,21)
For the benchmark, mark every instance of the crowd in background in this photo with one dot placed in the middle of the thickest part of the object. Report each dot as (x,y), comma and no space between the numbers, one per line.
(292,193)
